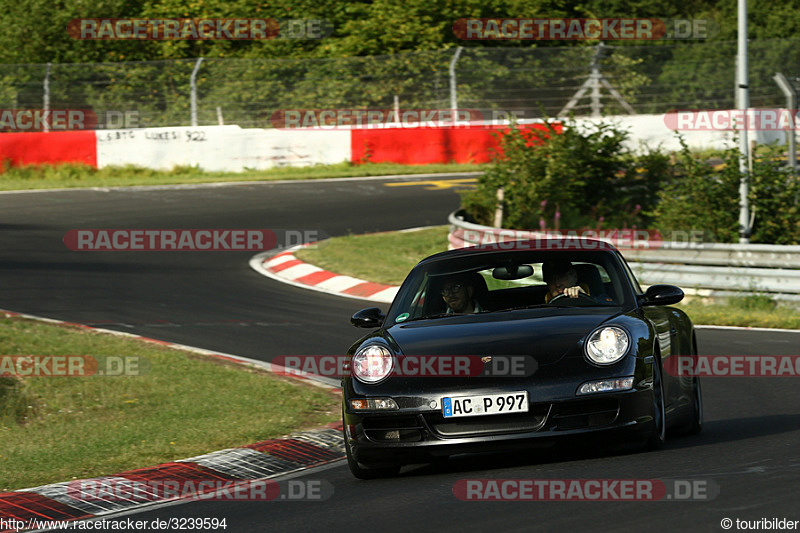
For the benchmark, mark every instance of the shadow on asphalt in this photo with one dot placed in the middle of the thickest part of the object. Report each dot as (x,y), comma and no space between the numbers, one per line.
(715,432)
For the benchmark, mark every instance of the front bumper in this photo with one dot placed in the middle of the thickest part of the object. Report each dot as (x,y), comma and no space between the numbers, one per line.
(422,434)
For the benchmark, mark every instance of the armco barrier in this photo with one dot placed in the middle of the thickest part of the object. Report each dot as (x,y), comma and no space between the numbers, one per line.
(710,270)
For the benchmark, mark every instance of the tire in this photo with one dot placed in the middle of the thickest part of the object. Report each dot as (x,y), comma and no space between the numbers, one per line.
(659,435)
(366,472)
(695,426)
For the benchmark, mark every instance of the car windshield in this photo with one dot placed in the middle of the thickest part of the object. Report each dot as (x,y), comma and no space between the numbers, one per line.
(493,283)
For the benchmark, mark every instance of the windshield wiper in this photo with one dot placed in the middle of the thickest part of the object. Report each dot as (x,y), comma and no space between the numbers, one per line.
(442,315)
(427,317)
(545,306)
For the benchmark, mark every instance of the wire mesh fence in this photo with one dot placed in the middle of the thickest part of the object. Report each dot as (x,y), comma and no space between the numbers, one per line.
(531,81)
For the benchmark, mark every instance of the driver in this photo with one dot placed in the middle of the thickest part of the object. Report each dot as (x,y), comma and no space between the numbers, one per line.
(457,293)
(562,279)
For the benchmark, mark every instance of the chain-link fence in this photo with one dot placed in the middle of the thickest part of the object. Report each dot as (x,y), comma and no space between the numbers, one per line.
(533,81)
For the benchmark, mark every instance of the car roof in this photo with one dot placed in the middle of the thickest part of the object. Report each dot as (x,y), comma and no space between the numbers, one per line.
(554,245)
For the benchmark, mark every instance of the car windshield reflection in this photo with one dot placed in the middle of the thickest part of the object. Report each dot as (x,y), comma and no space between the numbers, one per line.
(458,288)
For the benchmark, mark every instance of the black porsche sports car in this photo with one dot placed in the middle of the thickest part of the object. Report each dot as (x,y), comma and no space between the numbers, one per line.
(514,346)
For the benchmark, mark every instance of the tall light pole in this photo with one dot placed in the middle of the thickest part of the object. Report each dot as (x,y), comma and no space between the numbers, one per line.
(742,103)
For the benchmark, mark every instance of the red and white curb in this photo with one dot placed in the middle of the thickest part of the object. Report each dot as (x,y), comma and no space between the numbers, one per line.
(262,460)
(287,268)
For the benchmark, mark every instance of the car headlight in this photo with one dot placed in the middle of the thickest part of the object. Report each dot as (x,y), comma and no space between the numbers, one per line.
(607,345)
(372,363)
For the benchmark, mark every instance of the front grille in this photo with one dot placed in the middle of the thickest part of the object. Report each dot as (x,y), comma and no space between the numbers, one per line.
(533,420)
(394,429)
(586,413)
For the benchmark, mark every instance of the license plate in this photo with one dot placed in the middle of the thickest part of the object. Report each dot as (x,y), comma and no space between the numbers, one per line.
(485,404)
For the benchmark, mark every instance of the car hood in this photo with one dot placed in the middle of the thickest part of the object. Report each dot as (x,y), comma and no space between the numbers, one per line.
(546,334)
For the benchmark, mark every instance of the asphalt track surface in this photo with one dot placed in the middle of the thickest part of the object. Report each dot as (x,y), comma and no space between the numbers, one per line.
(748,449)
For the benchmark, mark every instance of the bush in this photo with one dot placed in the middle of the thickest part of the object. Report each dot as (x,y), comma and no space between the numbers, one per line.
(774,199)
(575,179)
(700,197)
(587,178)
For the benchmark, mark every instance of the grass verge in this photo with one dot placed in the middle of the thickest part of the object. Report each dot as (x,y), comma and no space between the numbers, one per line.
(388,257)
(741,311)
(379,257)
(81,176)
(61,428)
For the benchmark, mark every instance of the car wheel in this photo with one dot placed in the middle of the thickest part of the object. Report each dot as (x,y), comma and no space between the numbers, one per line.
(366,472)
(659,435)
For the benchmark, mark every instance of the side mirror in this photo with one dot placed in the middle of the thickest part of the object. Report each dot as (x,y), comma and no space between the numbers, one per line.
(662,295)
(371,317)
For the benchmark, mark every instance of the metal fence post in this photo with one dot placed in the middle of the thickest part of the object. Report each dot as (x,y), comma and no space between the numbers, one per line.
(594,81)
(453,90)
(193,89)
(791,104)
(46,102)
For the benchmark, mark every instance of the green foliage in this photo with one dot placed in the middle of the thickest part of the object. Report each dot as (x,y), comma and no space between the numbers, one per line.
(378,49)
(753,302)
(76,175)
(576,179)
(16,405)
(34,30)
(345,255)
(41,173)
(774,198)
(588,179)
(734,313)
(701,197)
(693,77)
